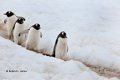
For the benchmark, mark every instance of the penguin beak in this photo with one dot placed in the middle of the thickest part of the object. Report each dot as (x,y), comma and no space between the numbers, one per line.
(65,36)
(21,22)
(5,14)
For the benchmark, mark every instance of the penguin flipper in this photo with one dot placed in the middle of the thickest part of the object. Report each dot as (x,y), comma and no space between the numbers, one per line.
(67,48)
(11,35)
(23,32)
(53,55)
(40,35)
(5,21)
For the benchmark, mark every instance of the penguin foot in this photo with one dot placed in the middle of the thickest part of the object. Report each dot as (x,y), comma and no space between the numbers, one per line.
(64,59)
(18,43)
(47,55)
(9,38)
(39,51)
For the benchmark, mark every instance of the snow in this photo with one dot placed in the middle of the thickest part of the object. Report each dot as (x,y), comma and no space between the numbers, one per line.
(92,28)
(14,57)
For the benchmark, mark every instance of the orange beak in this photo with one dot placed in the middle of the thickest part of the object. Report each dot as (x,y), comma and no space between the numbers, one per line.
(21,21)
(5,14)
(38,27)
(65,36)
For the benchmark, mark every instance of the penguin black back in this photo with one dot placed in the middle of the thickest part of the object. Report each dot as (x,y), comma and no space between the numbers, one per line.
(20,20)
(9,13)
(62,35)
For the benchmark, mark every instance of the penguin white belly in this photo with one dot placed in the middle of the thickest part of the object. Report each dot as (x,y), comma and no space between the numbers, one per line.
(18,28)
(10,23)
(33,39)
(61,48)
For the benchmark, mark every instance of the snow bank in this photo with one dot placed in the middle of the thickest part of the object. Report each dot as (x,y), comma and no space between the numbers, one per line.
(39,67)
(92,27)
(94,56)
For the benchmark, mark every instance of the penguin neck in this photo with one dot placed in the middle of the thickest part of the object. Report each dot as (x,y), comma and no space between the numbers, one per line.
(62,40)
(19,25)
(12,18)
(34,31)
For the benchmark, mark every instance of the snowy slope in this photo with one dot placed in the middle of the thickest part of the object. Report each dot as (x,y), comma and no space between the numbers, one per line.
(92,26)
(39,67)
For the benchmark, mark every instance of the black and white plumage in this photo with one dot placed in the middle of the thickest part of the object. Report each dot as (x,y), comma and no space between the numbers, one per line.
(60,47)
(17,28)
(10,21)
(33,38)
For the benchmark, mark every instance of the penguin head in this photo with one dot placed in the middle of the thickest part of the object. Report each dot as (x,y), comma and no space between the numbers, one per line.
(9,14)
(20,20)
(36,26)
(63,34)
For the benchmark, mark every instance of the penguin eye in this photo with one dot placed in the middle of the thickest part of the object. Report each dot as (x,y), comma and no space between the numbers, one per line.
(9,12)
(36,24)
(19,19)
(63,33)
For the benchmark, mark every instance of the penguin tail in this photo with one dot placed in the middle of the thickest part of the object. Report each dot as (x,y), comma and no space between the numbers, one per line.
(19,35)
(47,55)
(53,55)
(5,21)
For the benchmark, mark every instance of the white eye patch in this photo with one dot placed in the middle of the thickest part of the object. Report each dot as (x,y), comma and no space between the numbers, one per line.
(36,24)
(62,33)
(9,12)
(18,19)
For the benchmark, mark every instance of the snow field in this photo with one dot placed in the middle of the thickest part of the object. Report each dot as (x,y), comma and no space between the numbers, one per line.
(92,29)
(14,57)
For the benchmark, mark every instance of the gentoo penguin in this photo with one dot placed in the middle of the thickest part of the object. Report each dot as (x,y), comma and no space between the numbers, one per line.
(60,47)
(10,21)
(33,38)
(18,27)
(11,18)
